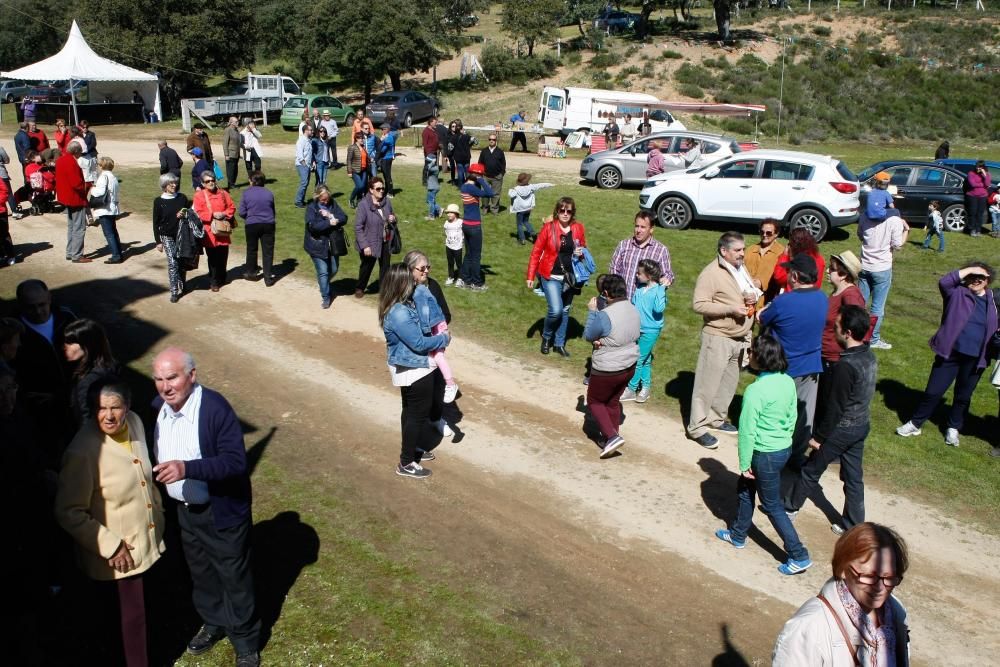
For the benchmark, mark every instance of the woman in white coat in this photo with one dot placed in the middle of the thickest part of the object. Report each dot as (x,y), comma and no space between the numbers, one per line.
(855,620)
(252,151)
(106,212)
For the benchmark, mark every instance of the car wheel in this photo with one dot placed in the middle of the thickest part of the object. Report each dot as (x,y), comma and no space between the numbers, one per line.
(348,121)
(10,99)
(811,220)
(609,178)
(673,213)
(954,218)
(408,120)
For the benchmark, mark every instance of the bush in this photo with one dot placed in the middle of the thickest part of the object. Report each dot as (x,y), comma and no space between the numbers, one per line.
(603,60)
(572,58)
(631,70)
(500,64)
(694,74)
(648,71)
(671,55)
(691,90)
(822,30)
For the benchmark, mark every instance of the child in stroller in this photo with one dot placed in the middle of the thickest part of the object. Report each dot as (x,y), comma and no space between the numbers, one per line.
(42,183)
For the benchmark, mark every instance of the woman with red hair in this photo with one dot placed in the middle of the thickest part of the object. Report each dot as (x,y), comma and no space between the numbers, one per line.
(799,241)
(855,620)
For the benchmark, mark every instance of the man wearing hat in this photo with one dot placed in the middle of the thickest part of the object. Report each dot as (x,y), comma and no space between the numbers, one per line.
(879,240)
(199,139)
(796,318)
(843,270)
(201,165)
(330,125)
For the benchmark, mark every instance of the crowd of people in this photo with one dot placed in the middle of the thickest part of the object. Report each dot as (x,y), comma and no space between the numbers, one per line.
(762,306)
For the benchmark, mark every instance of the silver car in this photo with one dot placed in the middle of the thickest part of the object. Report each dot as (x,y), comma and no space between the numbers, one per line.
(13,91)
(627,165)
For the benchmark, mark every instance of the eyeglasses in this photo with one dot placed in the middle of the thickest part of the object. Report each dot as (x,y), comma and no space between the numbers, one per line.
(768,233)
(378,189)
(422,269)
(871,579)
(566,210)
(493,138)
(208,180)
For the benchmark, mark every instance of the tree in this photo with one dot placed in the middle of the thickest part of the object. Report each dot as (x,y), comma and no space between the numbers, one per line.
(531,20)
(23,41)
(184,42)
(289,30)
(583,13)
(722,18)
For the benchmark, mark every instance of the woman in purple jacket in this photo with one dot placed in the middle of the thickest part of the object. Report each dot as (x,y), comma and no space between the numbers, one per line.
(968,325)
(371,221)
(257,210)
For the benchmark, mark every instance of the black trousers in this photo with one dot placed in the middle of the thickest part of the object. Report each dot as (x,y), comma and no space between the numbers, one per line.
(217,258)
(368,263)
(386,167)
(422,404)
(518,137)
(848,445)
(960,369)
(454,262)
(6,242)
(252,161)
(223,591)
(232,171)
(263,233)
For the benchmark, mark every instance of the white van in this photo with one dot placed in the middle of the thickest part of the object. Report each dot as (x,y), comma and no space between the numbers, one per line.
(566,110)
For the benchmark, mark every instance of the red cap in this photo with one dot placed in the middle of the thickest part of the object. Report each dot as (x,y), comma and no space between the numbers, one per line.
(477,169)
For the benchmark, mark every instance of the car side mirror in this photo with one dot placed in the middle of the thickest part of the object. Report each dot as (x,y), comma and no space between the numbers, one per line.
(711,173)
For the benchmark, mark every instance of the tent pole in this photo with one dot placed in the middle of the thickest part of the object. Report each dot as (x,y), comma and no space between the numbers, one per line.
(72,101)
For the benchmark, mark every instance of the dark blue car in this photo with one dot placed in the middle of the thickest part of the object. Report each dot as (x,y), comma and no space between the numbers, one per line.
(917,183)
(965,165)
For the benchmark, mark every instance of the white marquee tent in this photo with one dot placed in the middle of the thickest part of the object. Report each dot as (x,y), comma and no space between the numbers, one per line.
(106,78)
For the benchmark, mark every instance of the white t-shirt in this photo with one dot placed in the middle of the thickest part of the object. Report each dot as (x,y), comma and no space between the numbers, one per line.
(453,238)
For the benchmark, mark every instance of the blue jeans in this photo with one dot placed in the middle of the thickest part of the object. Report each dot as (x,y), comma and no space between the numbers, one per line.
(931,233)
(110,230)
(766,467)
(326,268)
(524,227)
(321,169)
(557,315)
(875,284)
(644,366)
(432,206)
(994,225)
(360,183)
(471,271)
(462,169)
(300,196)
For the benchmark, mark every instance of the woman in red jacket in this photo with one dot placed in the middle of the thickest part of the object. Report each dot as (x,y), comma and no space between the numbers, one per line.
(799,241)
(62,135)
(213,204)
(561,237)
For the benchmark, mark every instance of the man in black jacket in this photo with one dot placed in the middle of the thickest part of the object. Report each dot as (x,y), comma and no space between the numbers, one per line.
(495,166)
(170,161)
(845,424)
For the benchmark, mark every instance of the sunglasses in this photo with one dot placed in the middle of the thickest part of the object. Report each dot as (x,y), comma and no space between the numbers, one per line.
(422,269)
(378,189)
(567,210)
(768,233)
(208,180)
(493,138)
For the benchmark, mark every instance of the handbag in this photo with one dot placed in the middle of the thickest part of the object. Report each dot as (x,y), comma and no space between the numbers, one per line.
(222,227)
(92,202)
(217,170)
(338,242)
(395,241)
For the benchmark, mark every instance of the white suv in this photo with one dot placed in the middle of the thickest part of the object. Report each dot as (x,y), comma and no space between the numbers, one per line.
(798,189)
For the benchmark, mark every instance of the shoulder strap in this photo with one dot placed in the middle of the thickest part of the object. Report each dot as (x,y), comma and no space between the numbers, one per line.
(843,630)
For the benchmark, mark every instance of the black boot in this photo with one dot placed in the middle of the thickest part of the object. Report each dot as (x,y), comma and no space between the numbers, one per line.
(546,346)
(561,351)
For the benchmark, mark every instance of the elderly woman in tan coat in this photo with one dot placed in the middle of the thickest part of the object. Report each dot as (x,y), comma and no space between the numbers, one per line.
(109,505)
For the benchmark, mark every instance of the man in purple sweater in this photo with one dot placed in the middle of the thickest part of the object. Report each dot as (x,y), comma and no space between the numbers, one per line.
(198,444)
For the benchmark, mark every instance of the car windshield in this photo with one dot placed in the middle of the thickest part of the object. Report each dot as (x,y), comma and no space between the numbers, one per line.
(296,103)
(386,99)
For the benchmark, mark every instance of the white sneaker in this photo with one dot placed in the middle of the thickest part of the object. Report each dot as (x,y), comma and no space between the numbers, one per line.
(880,344)
(459,283)
(450,281)
(643,395)
(442,426)
(612,445)
(951,437)
(450,392)
(627,395)
(907,429)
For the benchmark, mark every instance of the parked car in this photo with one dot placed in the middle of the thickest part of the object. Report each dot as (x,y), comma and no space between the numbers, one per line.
(965,165)
(13,91)
(799,189)
(47,94)
(614,21)
(410,106)
(465,21)
(291,113)
(627,165)
(917,183)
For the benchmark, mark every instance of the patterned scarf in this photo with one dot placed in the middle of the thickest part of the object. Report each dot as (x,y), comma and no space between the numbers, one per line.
(878,646)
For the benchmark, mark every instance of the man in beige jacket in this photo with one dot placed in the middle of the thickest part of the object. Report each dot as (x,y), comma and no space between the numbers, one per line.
(724,296)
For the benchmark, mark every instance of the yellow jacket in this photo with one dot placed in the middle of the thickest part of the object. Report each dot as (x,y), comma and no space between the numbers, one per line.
(106,495)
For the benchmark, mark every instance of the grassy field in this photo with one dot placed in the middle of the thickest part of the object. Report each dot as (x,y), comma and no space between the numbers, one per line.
(962,481)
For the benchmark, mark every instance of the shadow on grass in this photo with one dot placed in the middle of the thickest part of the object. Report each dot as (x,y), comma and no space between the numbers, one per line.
(899,399)
(730,656)
(718,492)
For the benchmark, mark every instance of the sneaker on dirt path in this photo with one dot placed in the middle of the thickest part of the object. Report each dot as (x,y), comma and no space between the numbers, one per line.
(612,445)
(837,529)
(426,456)
(908,429)
(450,392)
(414,470)
(707,440)
(627,395)
(442,426)
(792,566)
(726,536)
(951,437)
(726,427)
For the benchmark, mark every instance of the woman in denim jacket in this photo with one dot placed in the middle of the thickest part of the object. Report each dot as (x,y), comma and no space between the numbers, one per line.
(421,385)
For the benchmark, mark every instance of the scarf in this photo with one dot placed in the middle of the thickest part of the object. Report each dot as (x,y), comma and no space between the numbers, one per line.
(878,646)
(742,278)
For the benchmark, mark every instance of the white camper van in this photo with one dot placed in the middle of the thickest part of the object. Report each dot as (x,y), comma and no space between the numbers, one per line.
(566,110)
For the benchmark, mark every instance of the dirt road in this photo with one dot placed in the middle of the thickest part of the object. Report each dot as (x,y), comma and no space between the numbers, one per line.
(617,553)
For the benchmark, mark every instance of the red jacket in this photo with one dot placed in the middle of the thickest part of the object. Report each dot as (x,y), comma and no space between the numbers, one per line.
(546,249)
(70,188)
(4,195)
(779,279)
(430,140)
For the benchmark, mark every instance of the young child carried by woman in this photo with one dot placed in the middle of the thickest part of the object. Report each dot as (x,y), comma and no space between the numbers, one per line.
(432,311)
